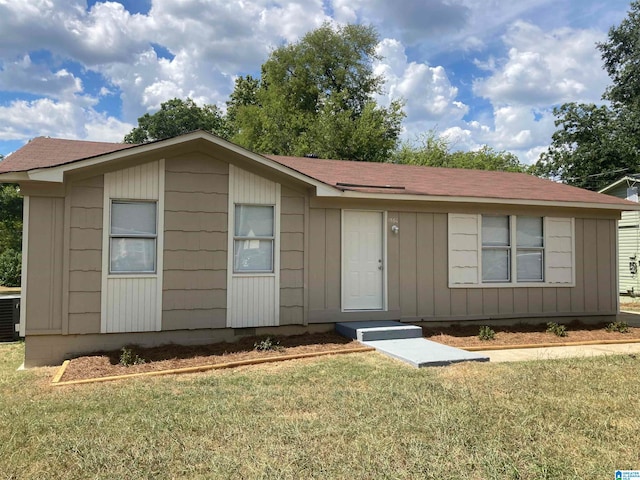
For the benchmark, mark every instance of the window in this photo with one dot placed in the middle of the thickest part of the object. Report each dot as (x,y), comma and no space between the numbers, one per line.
(133,237)
(498,249)
(529,249)
(253,239)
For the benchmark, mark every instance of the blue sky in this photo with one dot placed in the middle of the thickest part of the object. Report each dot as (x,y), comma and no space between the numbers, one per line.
(480,72)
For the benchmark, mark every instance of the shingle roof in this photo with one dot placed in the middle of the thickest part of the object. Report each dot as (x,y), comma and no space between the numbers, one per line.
(446,182)
(42,152)
(345,175)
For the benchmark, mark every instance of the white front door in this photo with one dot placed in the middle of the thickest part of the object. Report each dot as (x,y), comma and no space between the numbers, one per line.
(362,260)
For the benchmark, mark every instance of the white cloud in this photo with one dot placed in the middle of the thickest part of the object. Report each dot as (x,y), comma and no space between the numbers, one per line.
(430,98)
(23,120)
(25,76)
(545,68)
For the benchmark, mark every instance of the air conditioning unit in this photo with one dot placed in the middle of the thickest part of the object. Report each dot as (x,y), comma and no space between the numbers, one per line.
(9,317)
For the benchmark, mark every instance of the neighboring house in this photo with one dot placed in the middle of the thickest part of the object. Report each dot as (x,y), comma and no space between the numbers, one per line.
(194,239)
(628,235)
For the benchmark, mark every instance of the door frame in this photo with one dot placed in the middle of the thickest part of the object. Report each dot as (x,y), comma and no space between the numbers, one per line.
(383,232)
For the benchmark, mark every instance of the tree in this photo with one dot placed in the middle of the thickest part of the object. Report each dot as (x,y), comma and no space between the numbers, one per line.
(620,54)
(316,97)
(176,117)
(593,145)
(434,151)
(10,234)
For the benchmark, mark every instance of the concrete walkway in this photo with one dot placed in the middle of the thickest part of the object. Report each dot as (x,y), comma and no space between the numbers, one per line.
(547,353)
(405,342)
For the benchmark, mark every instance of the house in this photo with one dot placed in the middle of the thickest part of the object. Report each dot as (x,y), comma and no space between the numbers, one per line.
(194,239)
(628,235)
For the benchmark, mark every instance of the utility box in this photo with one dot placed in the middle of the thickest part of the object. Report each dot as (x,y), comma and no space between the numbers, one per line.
(9,318)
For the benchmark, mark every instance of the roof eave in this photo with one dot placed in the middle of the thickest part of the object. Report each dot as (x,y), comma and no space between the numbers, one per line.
(489,200)
(615,184)
(13,177)
(56,174)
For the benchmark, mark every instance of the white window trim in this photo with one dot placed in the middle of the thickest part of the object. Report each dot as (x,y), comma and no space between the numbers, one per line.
(155,238)
(254,273)
(513,283)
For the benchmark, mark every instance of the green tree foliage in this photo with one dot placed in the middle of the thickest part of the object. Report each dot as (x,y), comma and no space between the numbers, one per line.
(620,55)
(432,150)
(316,97)
(176,117)
(594,145)
(10,234)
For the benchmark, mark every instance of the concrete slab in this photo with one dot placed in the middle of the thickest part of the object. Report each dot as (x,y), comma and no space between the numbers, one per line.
(421,352)
(378,330)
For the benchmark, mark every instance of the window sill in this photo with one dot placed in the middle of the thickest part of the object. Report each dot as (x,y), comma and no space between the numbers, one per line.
(131,275)
(253,274)
(512,285)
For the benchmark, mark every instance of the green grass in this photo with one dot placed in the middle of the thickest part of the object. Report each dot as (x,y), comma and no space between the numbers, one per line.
(351,416)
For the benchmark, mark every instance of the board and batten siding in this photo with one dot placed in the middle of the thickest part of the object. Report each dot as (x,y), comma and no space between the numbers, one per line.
(43,305)
(292,241)
(195,245)
(253,299)
(133,303)
(418,274)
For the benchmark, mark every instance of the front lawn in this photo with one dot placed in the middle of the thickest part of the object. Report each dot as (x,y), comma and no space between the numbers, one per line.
(354,416)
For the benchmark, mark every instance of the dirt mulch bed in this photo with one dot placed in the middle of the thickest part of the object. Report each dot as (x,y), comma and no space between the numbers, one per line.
(166,357)
(104,364)
(524,334)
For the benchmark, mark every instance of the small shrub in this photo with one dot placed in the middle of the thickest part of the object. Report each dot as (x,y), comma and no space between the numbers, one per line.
(10,266)
(558,330)
(486,333)
(621,327)
(128,357)
(267,344)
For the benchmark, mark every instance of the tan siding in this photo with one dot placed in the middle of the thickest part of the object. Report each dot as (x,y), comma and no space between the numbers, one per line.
(424,264)
(85,255)
(423,260)
(590,265)
(417,273)
(442,294)
(577,293)
(44,264)
(408,265)
(317,255)
(393,264)
(292,210)
(333,259)
(604,265)
(195,256)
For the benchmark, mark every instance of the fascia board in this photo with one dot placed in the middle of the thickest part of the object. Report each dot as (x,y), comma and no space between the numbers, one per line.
(487,200)
(13,177)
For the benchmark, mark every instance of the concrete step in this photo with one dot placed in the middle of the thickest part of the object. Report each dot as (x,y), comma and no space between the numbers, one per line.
(378,330)
(405,342)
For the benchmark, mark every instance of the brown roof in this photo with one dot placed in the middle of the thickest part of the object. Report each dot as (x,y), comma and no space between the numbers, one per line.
(42,152)
(345,175)
(446,182)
